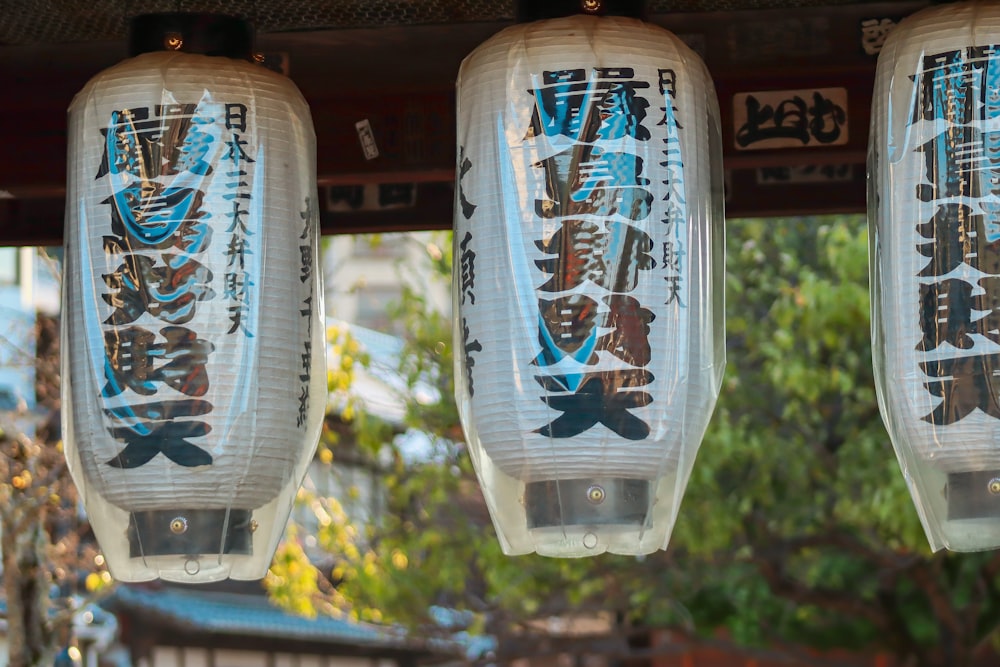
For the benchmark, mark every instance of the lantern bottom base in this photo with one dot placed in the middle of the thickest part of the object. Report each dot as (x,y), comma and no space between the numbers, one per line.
(959,509)
(973,495)
(576,502)
(190,532)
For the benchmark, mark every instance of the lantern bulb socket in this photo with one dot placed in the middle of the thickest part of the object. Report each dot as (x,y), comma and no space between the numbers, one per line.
(207,34)
(596,494)
(179,526)
(532,10)
(173,41)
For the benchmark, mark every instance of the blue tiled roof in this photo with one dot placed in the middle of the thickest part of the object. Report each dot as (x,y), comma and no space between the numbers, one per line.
(238,614)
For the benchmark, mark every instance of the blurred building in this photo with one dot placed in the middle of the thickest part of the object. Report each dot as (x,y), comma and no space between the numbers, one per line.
(28,284)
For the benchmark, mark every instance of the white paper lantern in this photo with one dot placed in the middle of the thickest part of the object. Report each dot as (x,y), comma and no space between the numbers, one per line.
(588,279)
(194,375)
(934,163)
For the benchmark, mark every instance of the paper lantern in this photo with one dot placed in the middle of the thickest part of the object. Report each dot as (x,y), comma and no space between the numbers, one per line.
(194,376)
(934,202)
(588,279)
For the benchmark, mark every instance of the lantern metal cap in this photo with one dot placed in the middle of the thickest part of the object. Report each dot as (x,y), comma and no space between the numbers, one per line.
(587,502)
(533,10)
(973,495)
(190,532)
(207,34)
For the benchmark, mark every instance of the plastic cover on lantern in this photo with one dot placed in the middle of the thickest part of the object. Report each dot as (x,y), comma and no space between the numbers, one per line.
(588,275)
(194,379)
(934,209)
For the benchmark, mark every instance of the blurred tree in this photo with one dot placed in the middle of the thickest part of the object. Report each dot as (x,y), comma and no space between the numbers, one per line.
(796,534)
(44,543)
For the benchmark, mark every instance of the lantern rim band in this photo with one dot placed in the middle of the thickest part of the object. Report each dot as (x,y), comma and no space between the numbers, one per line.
(202,33)
(587,502)
(190,532)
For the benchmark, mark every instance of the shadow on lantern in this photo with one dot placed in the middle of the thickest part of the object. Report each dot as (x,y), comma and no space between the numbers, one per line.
(934,165)
(193,373)
(589,253)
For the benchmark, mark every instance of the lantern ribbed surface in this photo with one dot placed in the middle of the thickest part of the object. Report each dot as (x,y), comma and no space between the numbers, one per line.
(588,259)
(934,169)
(195,376)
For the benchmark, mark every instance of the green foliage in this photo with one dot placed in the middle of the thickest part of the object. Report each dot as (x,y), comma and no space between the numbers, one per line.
(796,525)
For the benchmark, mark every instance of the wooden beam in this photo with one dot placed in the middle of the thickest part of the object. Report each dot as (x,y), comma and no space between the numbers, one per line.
(37,222)
(397,82)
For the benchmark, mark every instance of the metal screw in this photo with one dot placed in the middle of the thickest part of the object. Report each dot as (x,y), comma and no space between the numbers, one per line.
(994,486)
(179,526)
(173,41)
(596,494)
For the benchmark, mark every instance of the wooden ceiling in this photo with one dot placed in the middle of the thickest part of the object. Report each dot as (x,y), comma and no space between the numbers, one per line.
(394,65)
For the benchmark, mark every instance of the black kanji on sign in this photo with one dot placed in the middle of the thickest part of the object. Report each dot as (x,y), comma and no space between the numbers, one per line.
(964,384)
(792,118)
(599,398)
(167,292)
(946,314)
(236,117)
(467,262)
(464,167)
(135,360)
(956,236)
(468,347)
(191,236)
(952,164)
(239,312)
(153,215)
(236,150)
(163,437)
(303,412)
(567,329)
(673,290)
(170,141)
(158,411)
(589,180)
(949,86)
(988,304)
(629,338)
(148,429)
(589,105)
(611,259)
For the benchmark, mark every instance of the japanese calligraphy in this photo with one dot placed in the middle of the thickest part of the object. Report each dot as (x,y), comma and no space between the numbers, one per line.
(598,398)
(674,217)
(873,34)
(959,291)
(468,347)
(584,251)
(595,190)
(156,162)
(464,166)
(307,239)
(467,268)
(239,286)
(166,291)
(790,118)
(588,105)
